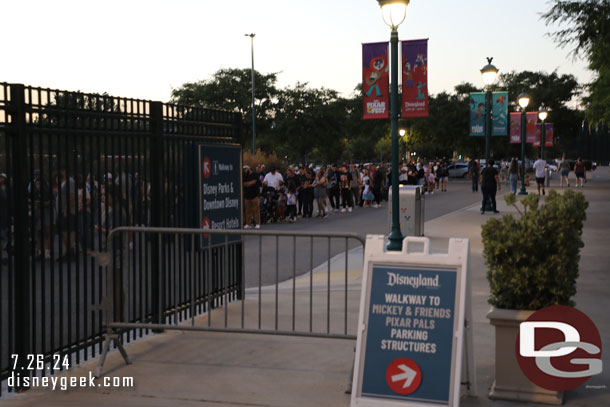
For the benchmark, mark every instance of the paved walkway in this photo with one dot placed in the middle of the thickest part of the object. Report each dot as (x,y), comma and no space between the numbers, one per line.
(220,369)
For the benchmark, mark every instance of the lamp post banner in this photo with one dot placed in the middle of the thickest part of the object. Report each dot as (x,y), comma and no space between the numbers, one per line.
(548,135)
(415,78)
(499,113)
(477,114)
(375,81)
(515,128)
(530,129)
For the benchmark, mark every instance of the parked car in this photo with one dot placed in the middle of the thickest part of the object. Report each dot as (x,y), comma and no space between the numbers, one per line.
(458,170)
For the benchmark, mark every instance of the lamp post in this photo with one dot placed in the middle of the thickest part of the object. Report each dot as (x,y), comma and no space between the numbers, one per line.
(253,109)
(542,115)
(524,100)
(490,74)
(394,13)
(402,133)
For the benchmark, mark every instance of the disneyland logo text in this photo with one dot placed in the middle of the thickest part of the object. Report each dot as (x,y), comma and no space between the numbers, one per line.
(412,281)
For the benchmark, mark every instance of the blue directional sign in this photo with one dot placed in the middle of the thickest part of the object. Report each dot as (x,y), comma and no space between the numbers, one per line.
(219,169)
(410,333)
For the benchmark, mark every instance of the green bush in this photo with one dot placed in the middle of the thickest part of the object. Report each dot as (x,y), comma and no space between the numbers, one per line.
(533,261)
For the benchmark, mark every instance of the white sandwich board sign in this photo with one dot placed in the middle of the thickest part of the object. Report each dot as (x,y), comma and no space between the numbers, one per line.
(411,325)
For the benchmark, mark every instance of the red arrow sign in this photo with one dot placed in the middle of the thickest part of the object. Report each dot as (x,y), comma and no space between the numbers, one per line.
(403,376)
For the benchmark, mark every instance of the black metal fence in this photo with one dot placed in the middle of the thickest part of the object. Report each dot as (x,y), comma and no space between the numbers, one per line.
(72,167)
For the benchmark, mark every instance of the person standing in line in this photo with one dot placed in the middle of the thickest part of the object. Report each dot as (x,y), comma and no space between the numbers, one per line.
(377,186)
(333,187)
(356,184)
(579,171)
(291,202)
(273,179)
(319,190)
(489,184)
(299,177)
(307,191)
(431,178)
(474,175)
(514,174)
(251,183)
(421,176)
(539,167)
(345,184)
(564,171)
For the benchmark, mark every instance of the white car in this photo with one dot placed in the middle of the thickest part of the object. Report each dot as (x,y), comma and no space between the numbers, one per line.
(458,170)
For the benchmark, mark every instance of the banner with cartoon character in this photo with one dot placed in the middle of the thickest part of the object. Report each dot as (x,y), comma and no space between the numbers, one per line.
(515,127)
(548,134)
(415,78)
(499,113)
(530,127)
(375,81)
(477,114)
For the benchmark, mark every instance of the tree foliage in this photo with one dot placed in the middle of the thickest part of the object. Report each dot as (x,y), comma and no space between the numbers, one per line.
(588,31)
(304,124)
(231,89)
(553,91)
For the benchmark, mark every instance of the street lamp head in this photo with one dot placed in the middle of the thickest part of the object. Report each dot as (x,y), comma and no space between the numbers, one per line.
(402,132)
(489,72)
(393,11)
(543,113)
(524,100)
(249,35)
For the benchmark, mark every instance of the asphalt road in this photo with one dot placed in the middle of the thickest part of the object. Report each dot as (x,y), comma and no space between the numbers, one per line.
(290,261)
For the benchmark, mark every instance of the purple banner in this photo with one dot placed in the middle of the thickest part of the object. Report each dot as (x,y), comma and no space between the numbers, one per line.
(375,81)
(415,78)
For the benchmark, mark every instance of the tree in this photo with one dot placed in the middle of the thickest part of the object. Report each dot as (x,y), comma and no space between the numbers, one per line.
(231,89)
(555,92)
(309,124)
(589,32)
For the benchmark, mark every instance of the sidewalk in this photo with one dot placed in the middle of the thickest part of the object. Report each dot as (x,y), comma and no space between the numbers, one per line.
(223,369)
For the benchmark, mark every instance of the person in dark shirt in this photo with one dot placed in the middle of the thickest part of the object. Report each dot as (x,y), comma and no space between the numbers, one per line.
(489,185)
(345,184)
(333,187)
(251,182)
(307,191)
(378,178)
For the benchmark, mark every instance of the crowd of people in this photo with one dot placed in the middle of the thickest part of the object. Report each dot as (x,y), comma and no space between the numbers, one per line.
(272,196)
(81,210)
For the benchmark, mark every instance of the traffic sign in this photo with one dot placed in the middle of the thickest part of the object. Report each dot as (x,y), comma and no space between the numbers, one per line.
(403,376)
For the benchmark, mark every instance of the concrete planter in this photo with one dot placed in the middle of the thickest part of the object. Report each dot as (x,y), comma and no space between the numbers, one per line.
(510,383)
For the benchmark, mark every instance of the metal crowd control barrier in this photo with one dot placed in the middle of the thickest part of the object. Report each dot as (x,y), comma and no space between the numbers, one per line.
(201,269)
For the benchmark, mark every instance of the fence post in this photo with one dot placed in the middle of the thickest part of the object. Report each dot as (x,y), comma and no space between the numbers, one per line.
(23,297)
(156,116)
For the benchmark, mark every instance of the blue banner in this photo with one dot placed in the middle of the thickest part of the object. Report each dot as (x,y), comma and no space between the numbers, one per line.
(477,114)
(499,114)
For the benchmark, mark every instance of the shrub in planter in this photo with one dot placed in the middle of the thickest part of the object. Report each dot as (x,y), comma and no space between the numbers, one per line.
(533,261)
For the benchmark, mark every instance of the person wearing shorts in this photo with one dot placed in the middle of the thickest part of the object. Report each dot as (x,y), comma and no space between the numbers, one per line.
(564,171)
(540,168)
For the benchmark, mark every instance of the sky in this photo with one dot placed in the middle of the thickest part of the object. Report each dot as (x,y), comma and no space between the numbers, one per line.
(144,49)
